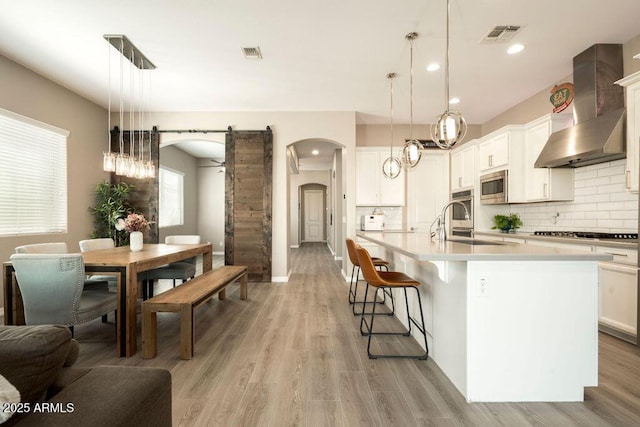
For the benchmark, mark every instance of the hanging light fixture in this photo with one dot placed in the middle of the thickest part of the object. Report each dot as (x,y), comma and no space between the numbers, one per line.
(450,127)
(391,167)
(131,164)
(412,150)
(109,157)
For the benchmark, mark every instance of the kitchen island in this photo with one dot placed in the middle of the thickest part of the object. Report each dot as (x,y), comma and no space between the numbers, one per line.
(505,322)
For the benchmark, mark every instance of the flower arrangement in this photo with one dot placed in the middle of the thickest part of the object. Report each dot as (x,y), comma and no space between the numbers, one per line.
(133,222)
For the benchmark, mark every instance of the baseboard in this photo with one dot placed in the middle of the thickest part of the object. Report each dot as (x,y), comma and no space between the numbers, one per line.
(295,246)
(337,258)
(217,253)
(625,336)
(281,279)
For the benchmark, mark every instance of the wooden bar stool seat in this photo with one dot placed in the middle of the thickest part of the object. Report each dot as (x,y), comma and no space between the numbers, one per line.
(355,272)
(382,280)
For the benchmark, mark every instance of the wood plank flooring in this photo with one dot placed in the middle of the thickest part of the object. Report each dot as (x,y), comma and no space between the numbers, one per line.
(292,355)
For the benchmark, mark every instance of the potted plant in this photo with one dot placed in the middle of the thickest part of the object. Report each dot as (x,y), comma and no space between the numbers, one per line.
(506,223)
(112,202)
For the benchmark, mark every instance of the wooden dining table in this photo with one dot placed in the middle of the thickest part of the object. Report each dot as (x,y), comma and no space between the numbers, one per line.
(127,266)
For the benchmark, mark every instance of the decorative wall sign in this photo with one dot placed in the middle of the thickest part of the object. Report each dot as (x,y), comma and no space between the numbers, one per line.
(561,96)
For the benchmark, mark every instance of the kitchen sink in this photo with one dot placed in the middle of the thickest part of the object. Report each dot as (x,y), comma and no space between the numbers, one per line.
(476,242)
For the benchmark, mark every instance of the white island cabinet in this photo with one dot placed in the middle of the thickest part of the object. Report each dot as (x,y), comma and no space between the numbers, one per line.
(505,322)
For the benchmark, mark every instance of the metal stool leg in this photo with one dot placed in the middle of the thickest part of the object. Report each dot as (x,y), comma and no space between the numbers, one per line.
(421,328)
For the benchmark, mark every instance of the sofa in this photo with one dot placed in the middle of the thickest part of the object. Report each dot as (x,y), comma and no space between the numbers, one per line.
(40,386)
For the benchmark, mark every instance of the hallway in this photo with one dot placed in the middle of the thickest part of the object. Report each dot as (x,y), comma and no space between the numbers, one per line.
(292,354)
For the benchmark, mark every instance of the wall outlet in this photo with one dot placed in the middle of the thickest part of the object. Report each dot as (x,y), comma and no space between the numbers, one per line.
(220,244)
(483,288)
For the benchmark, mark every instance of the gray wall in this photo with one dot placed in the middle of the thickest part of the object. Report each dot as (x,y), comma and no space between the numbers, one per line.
(178,160)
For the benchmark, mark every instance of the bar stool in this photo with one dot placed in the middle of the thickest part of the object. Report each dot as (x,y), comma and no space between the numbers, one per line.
(390,280)
(353,290)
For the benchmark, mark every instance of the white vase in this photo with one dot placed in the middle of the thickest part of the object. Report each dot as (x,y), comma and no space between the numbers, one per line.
(135,241)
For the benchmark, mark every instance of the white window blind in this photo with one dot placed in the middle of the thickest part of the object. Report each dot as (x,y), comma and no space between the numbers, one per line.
(33,176)
(171,185)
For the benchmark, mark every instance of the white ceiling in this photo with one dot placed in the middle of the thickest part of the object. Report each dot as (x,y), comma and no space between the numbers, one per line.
(330,55)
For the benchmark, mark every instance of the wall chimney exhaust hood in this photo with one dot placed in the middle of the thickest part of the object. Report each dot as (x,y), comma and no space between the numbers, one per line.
(598,110)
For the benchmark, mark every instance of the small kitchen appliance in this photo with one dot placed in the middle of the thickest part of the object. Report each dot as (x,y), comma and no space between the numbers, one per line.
(374,222)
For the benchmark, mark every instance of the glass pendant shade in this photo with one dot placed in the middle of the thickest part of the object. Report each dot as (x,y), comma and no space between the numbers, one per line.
(412,153)
(122,163)
(449,128)
(151,170)
(109,162)
(391,167)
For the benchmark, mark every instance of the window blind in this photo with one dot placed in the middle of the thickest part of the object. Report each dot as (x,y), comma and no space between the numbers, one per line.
(171,200)
(33,176)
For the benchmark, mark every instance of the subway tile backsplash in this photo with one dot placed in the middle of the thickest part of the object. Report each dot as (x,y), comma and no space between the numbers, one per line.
(601,203)
(392,216)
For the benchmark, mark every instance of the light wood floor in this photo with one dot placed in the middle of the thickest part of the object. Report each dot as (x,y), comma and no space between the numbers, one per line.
(292,355)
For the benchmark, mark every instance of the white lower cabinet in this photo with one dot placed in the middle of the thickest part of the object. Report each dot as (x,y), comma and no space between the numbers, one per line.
(618,297)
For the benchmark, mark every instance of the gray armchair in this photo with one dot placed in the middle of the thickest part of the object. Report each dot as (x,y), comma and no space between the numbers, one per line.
(183,270)
(52,288)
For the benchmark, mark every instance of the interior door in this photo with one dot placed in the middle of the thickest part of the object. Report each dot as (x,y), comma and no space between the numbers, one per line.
(313,216)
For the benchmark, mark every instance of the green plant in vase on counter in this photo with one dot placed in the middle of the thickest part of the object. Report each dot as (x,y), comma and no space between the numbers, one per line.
(505,223)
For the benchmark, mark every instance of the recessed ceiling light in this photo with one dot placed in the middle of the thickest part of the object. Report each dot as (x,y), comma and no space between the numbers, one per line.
(315,152)
(515,48)
(454,100)
(433,67)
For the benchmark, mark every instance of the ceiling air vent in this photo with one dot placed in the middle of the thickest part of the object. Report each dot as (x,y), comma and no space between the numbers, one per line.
(501,33)
(252,52)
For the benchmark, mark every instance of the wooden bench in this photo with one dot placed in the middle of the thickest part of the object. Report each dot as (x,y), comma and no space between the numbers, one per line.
(183,299)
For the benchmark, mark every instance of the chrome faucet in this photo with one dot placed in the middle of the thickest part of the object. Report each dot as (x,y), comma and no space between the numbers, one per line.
(441,230)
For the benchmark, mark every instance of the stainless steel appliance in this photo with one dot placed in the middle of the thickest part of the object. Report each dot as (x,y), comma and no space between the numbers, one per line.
(461,225)
(494,188)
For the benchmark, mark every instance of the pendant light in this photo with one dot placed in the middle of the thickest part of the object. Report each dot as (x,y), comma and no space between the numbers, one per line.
(412,150)
(131,164)
(450,127)
(109,157)
(391,167)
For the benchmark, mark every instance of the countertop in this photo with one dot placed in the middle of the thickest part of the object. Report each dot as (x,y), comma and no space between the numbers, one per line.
(420,247)
(622,243)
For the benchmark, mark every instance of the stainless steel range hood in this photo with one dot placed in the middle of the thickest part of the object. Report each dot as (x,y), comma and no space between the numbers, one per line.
(598,109)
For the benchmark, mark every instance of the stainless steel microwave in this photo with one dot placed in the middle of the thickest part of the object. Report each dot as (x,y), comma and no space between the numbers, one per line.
(494,188)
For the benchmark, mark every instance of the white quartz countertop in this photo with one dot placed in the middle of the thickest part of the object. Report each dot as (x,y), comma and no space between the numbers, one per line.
(420,247)
(612,243)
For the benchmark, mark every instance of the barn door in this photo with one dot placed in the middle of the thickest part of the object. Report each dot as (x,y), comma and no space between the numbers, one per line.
(248,187)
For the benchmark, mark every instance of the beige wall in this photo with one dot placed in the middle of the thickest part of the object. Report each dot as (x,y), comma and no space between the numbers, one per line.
(177,160)
(629,50)
(380,135)
(31,95)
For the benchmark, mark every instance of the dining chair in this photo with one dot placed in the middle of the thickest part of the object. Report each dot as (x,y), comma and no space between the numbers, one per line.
(52,289)
(98,284)
(96,245)
(183,270)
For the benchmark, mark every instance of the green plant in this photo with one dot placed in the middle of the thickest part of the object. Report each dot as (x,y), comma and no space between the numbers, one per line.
(507,222)
(111,203)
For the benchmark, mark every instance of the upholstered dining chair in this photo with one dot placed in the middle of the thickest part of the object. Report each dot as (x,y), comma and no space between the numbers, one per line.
(182,271)
(52,289)
(94,283)
(96,245)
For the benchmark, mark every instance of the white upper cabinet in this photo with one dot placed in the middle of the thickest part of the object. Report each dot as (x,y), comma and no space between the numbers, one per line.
(493,150)
(463,166)
(545,184)
(372,187)
(632,85)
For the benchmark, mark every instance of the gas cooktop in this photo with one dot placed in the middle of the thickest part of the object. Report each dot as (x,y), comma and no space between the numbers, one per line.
(588,235)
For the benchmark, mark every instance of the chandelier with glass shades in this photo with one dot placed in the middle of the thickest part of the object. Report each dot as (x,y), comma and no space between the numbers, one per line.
(450,127)
(132,164)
